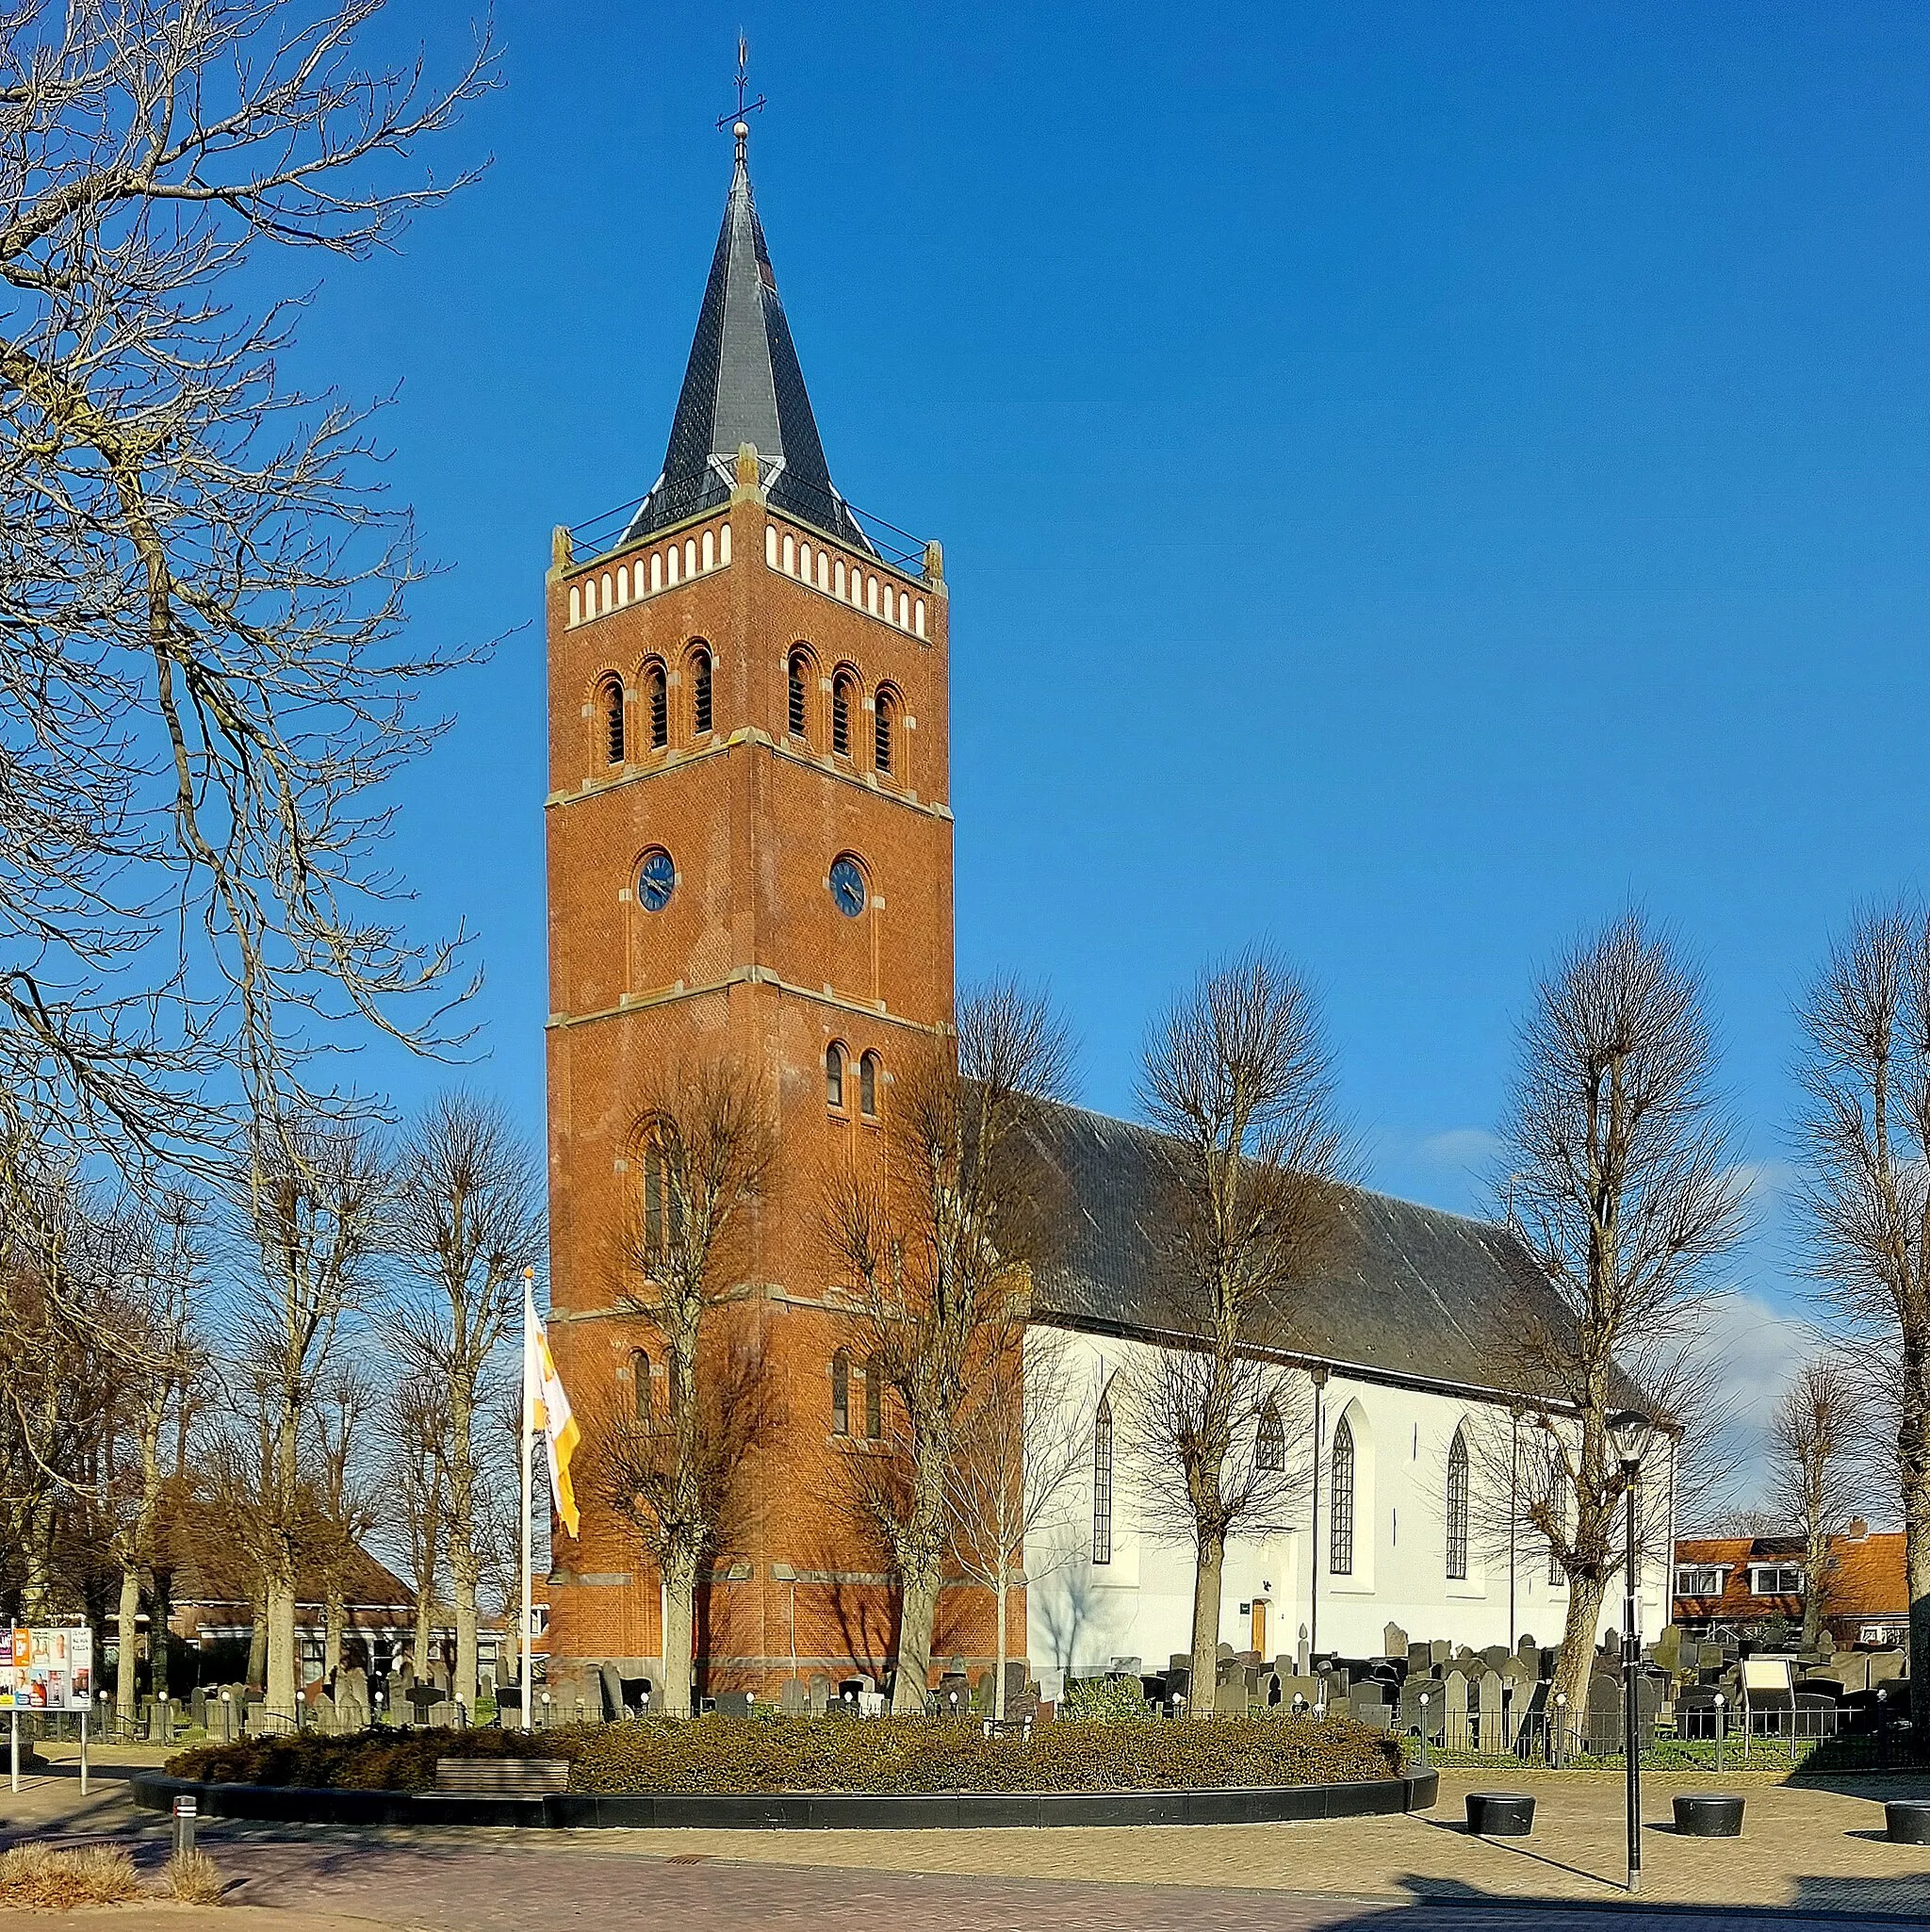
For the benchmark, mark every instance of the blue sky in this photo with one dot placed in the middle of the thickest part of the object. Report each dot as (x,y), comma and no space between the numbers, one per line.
(1412,479)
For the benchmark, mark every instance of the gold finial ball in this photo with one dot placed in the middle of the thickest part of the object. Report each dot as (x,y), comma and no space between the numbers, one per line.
(741,130)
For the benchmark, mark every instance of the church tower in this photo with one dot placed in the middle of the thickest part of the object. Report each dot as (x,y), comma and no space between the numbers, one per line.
(750,852)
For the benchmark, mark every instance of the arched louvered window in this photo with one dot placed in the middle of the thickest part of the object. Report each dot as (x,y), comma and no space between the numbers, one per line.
(840,1393)
(1340,1487)
(834,1075)
(1270,1441)
(1457,1506)
(640,1380)
(875,1399)
(657,697)
(798,714)
(868,1087)
(885,720)
(610,701)
(844,695)
(662,1205)
(700,692)
(1101,1482)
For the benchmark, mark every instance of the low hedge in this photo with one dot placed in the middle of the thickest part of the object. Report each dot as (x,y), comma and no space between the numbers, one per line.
(834,1754)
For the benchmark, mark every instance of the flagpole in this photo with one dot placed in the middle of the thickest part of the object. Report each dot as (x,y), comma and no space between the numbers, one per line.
(529,1436)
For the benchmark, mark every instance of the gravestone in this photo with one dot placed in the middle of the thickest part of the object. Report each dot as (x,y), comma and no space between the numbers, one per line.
(733,1704)
(1440,1652)
(1367,1701)
(1420,1657)
(794,1699)
(1489,1711)
(1604,1727)
(1393,1640)
(322,1713)
(1454,1705)
(610,1678)
(1885,1666)
(1668,1649)
(197,1708)
(1709,1657)
(819,1693)
(1229,1698)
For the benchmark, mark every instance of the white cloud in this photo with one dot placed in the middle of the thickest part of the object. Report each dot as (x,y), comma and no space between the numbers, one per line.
(1472,1148)
(1763,1181)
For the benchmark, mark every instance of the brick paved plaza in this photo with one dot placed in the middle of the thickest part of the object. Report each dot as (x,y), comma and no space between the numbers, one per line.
(1814,1850)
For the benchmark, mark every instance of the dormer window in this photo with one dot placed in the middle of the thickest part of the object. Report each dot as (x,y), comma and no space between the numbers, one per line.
(1700,1580)
(1775,1580)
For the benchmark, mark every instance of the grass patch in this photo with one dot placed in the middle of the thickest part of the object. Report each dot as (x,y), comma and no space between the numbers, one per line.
(41,1878)
(777,1753)
(194,1878)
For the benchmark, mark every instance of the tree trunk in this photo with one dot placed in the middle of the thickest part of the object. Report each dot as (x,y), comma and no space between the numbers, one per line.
(679,1621)
(1914,1444)
(1815,1588)
(160,1615)
(127,1616)
(1585,1595)
(257,1644)
(36,1589)
(425,1607)
(998,1683)
(1208,1571)
(463,1684)
(283,1676)
(334,1617)
(917,1619)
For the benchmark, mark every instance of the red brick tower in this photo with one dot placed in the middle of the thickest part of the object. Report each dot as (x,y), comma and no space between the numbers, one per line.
(749,848)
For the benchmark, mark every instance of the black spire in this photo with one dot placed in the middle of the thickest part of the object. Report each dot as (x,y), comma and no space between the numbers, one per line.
(743,385)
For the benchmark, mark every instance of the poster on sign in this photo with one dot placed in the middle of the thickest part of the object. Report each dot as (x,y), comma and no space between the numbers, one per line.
(46,1668)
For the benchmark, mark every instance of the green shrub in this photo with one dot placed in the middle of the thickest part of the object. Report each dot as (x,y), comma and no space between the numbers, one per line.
(834,1754)
(1107,1700)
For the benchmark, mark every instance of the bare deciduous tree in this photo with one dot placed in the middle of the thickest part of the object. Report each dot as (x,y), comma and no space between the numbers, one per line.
(935,1238)
(670,1463)
(1865,1142)
(1239,1079)
(1024,1434)
(469,1219)
(202,673)
(412,1431)
(1817,1477)
(1623,1185)
(317,1194)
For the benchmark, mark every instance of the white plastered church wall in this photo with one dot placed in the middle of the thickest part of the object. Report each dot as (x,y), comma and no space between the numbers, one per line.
(1083,1616)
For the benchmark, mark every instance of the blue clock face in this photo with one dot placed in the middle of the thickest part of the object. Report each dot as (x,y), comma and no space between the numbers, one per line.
(847,888)
(656,880)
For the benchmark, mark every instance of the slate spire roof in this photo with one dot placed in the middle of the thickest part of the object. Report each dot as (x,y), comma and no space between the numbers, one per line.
(743,385)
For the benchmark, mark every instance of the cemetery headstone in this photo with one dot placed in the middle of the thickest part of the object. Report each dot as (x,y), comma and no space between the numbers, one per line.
(1440,1652)
(1604,1729)
(1489,1711)
(1393,1640)
(1454,1704)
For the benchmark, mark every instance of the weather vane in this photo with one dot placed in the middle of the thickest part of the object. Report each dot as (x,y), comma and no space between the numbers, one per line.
(744,107)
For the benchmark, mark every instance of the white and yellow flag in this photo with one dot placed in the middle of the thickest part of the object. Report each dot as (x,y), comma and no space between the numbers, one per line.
(546,1408)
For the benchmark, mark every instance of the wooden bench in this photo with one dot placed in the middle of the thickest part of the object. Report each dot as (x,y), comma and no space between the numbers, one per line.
(501,1777)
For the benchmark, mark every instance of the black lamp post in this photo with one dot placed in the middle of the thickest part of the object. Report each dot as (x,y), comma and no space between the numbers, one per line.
(1629,1432)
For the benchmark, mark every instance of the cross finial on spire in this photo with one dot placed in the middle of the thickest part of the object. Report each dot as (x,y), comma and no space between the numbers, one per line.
(738,125)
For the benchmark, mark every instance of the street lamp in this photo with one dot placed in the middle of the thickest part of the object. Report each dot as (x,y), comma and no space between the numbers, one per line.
(1629,1431)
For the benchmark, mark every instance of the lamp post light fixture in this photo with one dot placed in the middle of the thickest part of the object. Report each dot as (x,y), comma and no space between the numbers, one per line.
(1630,1430)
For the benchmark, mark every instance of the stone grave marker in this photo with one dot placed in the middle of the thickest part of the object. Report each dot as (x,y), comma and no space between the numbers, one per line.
(1454,1705)
(1440,1652)
(1604,1728)
(1488,1690)
(818,1693)
(1885,1666)
(1393,1640)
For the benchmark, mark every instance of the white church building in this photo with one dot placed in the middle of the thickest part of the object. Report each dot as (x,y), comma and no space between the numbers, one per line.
(1399,1352)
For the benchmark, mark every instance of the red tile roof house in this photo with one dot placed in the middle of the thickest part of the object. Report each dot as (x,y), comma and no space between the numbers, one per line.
(1734,1585)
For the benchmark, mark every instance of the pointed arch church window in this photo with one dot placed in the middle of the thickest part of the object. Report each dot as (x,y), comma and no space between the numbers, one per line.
(1102,1482)
(1340,1484)
(798,694)
(843,689)
(834,1077)
(1270,1441)
(1457,1506)
(881,732)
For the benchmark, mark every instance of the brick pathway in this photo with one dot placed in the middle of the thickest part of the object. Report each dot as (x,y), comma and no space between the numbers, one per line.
(1810,1851)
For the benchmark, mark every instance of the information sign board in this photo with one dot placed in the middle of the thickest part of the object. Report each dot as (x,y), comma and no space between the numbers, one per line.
(46,1667)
